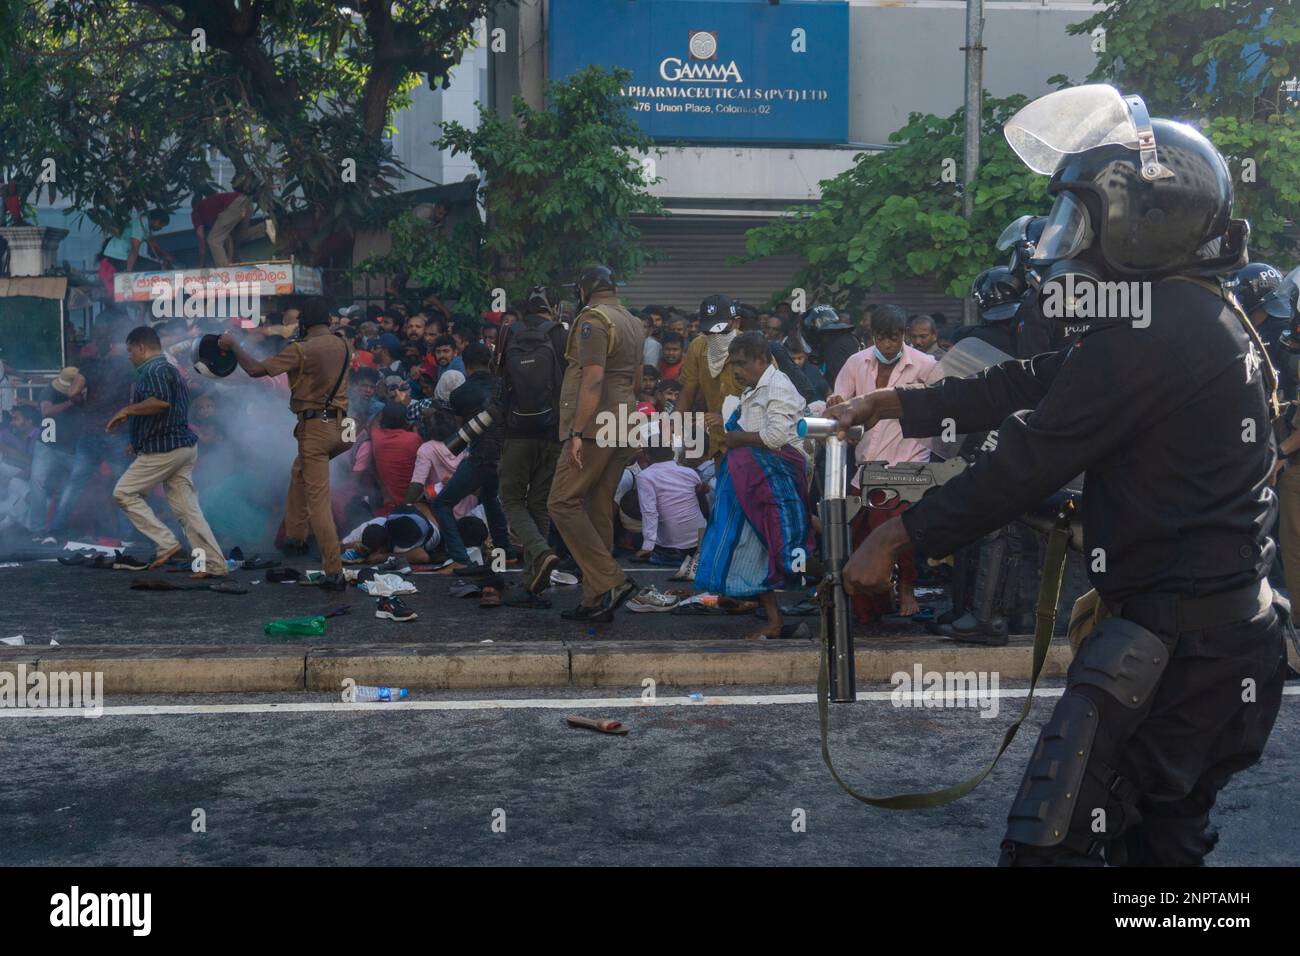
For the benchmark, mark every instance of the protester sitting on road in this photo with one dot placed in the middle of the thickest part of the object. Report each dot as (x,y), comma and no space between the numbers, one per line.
(671,519)
(392,450)
(410,531)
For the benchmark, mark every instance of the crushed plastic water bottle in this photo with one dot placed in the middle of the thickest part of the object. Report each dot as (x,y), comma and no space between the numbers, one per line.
(695,695)
(363,694)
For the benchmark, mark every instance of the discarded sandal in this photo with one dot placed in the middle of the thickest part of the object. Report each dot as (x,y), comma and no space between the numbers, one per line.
(603,726)
(491,596)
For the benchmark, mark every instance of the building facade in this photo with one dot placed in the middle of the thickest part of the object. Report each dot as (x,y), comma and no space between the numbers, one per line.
(752,104)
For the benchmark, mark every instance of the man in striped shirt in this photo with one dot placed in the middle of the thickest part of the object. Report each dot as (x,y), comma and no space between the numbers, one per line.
(165,451)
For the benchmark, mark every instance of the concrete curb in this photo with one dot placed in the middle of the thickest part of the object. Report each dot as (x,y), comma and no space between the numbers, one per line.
(252,668)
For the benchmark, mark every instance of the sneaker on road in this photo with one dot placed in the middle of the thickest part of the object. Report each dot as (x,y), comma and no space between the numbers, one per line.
(354,556)
(129,562)
(651,600)
(393,565)
(393,609)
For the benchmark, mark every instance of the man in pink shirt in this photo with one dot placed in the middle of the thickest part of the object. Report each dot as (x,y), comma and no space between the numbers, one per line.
(887,364)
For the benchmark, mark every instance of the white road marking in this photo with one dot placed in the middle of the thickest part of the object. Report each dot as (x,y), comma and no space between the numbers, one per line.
(523,703)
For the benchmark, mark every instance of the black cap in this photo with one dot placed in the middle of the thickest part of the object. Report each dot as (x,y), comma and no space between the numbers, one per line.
(541,301)
(716,313)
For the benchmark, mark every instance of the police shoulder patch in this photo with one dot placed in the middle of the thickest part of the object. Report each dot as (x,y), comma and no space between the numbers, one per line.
(585,331)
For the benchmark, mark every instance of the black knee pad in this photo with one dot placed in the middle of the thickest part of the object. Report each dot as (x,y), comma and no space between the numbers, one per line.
(1040,815)
(1123,659)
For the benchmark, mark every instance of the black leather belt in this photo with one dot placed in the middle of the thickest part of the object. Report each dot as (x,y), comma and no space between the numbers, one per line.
(324,414)
(1171,614)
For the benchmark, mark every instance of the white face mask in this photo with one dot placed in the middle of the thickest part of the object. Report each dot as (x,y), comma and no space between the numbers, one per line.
(718,344)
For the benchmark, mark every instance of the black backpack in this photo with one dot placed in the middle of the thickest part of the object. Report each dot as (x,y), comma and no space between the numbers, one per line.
(532,371)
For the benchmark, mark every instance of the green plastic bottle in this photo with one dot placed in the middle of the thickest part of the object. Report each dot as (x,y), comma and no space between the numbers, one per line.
(296,626)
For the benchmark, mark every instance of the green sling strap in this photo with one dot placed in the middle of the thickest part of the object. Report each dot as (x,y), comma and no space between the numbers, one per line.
(1049,593)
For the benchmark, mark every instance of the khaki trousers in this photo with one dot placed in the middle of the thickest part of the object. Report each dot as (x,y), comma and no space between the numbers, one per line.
(174,470)
(230,220)
(582,509)
(307,506)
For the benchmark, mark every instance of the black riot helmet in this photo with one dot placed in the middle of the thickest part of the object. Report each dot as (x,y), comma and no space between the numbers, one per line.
(1021,237)
(823,318)
(594,279)
(997,292)
(1144,197)
(1257,286)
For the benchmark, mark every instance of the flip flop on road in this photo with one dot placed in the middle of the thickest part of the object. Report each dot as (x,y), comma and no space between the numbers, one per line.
(491,596)
(603,726)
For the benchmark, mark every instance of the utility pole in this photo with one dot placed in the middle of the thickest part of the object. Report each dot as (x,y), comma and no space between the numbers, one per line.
(974,50)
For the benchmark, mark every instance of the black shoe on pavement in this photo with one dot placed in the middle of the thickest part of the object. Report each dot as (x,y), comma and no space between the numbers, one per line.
(334,582)
(129,562)
(582,613)
(967,630)
(393,609)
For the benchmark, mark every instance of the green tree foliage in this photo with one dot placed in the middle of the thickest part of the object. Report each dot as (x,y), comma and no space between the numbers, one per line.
(560,186)
(1221,64)
(898,213)
(130,98)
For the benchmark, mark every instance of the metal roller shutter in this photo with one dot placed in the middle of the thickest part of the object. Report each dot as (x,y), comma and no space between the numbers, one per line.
(694,264)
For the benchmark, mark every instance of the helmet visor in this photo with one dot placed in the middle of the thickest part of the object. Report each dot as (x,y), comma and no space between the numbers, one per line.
(1069,121)
(1013,233)
(1066,232)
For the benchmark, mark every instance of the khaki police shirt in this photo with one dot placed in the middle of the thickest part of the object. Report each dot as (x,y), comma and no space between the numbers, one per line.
(608,335)
(313,365)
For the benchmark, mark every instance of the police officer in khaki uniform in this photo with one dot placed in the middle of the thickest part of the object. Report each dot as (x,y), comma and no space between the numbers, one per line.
(317,363)
(601,379)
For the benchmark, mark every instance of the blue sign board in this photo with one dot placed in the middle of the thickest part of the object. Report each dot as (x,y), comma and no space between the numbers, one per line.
(716,71)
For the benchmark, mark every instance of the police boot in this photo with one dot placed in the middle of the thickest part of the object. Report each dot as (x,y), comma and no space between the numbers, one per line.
(967,629)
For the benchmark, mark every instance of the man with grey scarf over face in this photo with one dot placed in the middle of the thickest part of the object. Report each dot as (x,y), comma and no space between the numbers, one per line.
(706,371)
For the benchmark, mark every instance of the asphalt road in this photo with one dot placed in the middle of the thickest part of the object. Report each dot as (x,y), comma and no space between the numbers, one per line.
(44,600)
(692,784)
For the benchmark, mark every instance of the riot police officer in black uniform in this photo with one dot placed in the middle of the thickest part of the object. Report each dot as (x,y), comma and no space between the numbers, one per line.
(832,338)
(1035,333)
(997,292)
(1177,686)
(1258,289)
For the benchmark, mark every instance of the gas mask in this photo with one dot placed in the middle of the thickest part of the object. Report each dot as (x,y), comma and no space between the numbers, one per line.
(1064,267)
